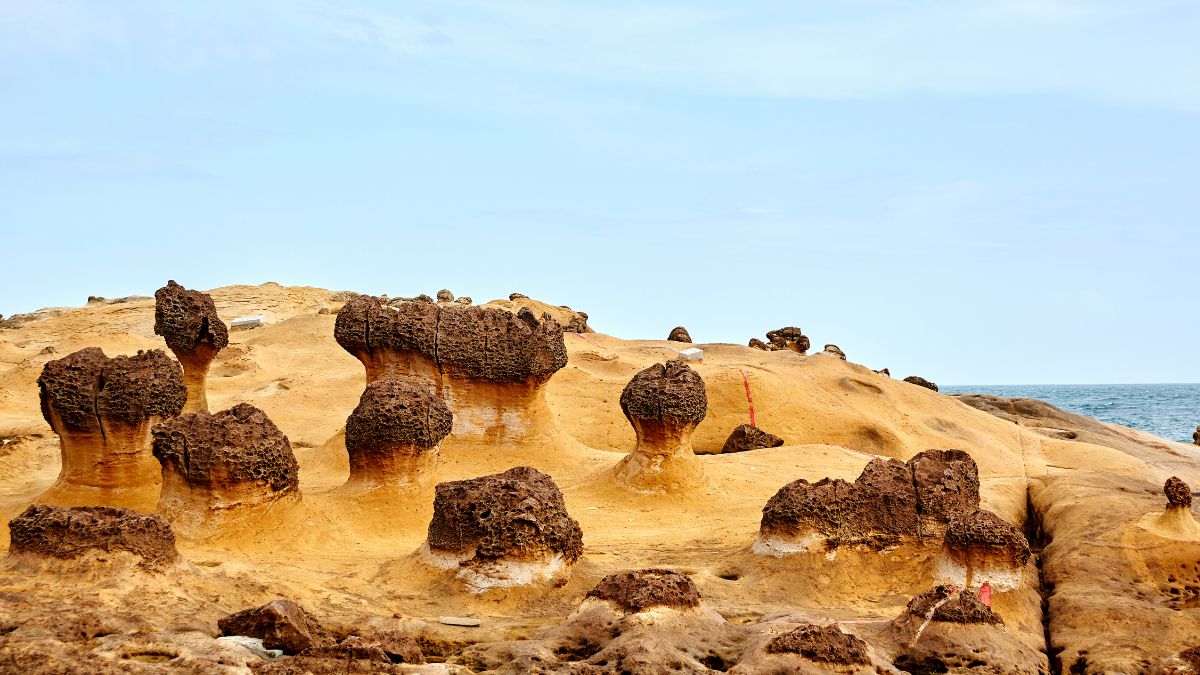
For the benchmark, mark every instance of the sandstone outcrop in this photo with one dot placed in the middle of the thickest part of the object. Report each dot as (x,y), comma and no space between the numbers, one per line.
(664,403)
(746,437)
(445,296)
(392,435)
(979,548)
(646,589)
(790,338)
(945,603)
(1179,494)
(506,529)
(679,334)
(221,464)
(921,382)
(43,531)
(280,624)
(188,322)
(755,343)
(102,410)
(836,351)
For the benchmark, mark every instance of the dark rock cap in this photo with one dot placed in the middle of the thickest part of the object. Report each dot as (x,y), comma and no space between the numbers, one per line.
(1178,492)
(646,589)
(238,445)
(836,351)
(280,624)
(679,334)
(984,530)
(671,392)
(187,319)
(755,343)
(947,483)
(823,644)
(920,382)
(745,437)
(86,386)
(884,371)
(397,410)
(966,608)
(445,296)
(66,533)
(789,337)
(518,513)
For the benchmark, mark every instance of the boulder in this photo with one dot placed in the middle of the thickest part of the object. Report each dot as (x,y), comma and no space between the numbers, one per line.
(280,624)
(188,322)
(45,531)
(921,382)
(746,437)
(679,334)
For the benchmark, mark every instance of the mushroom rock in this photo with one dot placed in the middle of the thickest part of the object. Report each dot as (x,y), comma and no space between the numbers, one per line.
(979,548)
(1176,522)
(745,437)
(506,529)
(445,296)
(392,435)
(633,592)
(790,338)
(280,624)
(822,644)
(188,321)
(664,403)
(947,483)
(102,410)
(517,296)
(836,351)
(679,334)
(489,364)
(222,464)
(921,382)
(93,533)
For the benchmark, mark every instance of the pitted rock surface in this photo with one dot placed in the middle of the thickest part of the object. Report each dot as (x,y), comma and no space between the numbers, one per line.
(947,483)
(884,372)
(679,334)
(646,589)
(476,342)
(66,533)
(921,382)
(823,644)
(188,319)
(445,296)
(671,393)
(280,624)
(985,531)
(1178,492)
(239,445)
(755,343)
(397,410)
(789,337)
(745,437)
(836,351)
(518,514)
(87,386)
(965,608)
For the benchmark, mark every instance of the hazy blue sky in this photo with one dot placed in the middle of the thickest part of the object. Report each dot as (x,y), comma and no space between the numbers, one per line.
(1001,191)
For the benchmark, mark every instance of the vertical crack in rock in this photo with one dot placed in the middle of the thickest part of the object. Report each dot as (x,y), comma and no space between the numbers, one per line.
(1035,533)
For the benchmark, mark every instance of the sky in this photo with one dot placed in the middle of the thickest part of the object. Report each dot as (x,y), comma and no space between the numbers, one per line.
(990,192)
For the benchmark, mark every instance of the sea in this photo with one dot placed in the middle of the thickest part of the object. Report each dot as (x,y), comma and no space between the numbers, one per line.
(1169,411)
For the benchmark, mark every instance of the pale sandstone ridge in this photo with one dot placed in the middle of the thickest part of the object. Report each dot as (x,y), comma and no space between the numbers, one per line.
(506,529)
(92,535)
(664,403)
(235,462)
(393,433)
(188,322)
(102,410)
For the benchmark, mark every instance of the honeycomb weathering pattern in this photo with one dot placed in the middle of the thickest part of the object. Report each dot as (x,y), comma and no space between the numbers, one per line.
(1178,492)
(66,533)
(187,319)
(645,589)
(239,445)
(397,410)
(672,393)
(87,387)
(984,532)
(966,607)
(823,644)
(473,342)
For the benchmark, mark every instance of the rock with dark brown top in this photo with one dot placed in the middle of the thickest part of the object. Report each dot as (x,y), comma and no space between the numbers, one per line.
(954,607)
(646,589)
(517,296)
(746,437)
(979,548)
(280,624)
(921,382)
(947,484)
(188,321)
(494,345)
(836,351)
(884,372)
(822,644)
(986,531)
(389,340)
(511,520)
(790,338)
(679,334)
(1179,494)
(102,410)
(65,533)
(1196,436)
(234,459)
(755,343)
(392,435)
(445,296)
(664,403)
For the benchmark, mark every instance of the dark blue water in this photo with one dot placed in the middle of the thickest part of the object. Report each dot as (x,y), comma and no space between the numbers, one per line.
(1169,411)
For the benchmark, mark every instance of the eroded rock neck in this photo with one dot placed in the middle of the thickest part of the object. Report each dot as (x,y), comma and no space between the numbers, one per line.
(663,460)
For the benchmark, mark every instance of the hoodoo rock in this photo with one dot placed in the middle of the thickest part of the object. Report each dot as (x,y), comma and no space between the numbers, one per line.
(445,296)
(43,531)
(489,364)
(1176,521)
(679,334)
(188,321)
(745,437)
(506,529)
(646,589)
(664,403)
(392,435)
(102,410)
(790,338)
(1179,494)
(921,382)
(280,624)
(836,351)
(225,463)
(979,548)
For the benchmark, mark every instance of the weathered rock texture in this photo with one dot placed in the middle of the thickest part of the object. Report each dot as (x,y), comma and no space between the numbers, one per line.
(506,529)
(235,459)
(888,502)
(44,531)
(679,334)
(1196,436)
(979,548)
(836,351)
(188,322)
(102,410)
(944,603)
(790,338)
(392,435)
(488,364)
(822,644)
(645,589)
(280,624)
(1179,494)
(746,437)
(664,403)
(921,382)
